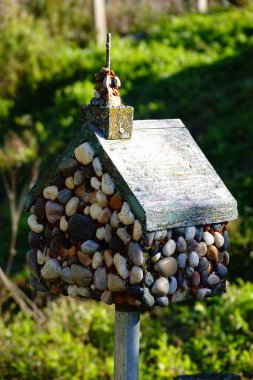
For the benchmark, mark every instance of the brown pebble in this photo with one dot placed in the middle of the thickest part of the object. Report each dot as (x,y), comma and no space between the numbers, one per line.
(119,299)
(92,197)
(195,279)
(212,253)
(84,259)
(116,201)
(81,193)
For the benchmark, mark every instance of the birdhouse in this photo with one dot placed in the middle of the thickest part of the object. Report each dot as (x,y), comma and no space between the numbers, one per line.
(132,213)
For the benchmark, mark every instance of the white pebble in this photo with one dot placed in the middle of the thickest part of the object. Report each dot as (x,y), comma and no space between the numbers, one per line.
(208,238)
(136,275)
(189,233)
(97,166)
(159,235)
(125,215)
(173,285)
(69,183)
(218,239)
(34,225)
(97,260)
(50,192)
(86,210)
(107,184)
(202,293)
(63,224)
(137,231)
(42,257)
(120,263)
(114,220)
(193,259)
(100,233)
(123,235)
(71,206)
(72,290)
(169,248)
(95,183)
(84,153)
(101,198)
(95,210)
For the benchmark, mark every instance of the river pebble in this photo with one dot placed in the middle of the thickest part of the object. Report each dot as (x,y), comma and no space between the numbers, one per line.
(173,285)
(189,271)
(125,215)
(81,227)
(51,269)
(193,259)
(106,297)
(137,231)
(221,270)
(212,253)
(63,224)
(226,241)
(116,201)
(115,283)
(148,299)
(160,286)
(181,244)
(162,301)
(72,290)
(83,292)
(199,234)
(208,238)
(34,225)
(101,198)
(32,262)
(114,220)
(78,178)
(107,184)
(166,266)
(97,260)
(50,192)
(71,206)
(97,166)
(195,278)
(69,183)
(181,260)
(148,279)
(120,263)
(89,247)
(100,278)
(202,293)
(123,234)
(82,276)
(66,275)
(203,264)
(218,239)
(202,249)
(136,275)
(169,248)
(135,253)
(84,153)
(213,279)
(189,233)
(68,166)
(64,196)
(95,210)
(84,258)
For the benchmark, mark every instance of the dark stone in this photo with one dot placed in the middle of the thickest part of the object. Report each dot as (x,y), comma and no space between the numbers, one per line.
(81,228)
(178,231)
(180,279)
(47,233)
(148,299)
(38,285)
(219,288)
(115,243)
(39,210)
(148,279)
(203,264)
(162,301)
(192,246)
(64,291)
(58,181)
(203,278)
(36,241)
(56,244)
(64,196)
(56,231)
(189,271)
(68,166)
(221,270)
(88,171)
(226,241)
(31,260)
(95,295)
(135,291)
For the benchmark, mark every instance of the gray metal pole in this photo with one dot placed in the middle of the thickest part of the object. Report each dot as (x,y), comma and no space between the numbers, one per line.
(126,343)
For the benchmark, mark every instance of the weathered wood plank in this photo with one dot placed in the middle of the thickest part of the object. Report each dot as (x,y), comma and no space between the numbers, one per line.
(169,176)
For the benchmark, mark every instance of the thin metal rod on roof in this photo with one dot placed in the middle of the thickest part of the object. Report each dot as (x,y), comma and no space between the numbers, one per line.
(108,50)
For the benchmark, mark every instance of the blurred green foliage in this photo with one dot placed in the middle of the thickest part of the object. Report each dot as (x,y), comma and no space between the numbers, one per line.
(76,342)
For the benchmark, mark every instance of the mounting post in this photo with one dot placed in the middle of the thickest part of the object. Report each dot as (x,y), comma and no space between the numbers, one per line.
(126,343)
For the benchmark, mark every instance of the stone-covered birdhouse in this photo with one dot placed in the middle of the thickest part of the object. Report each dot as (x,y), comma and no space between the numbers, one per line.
(132,213)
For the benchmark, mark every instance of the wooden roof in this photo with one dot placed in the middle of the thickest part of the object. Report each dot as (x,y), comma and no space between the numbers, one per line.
(162,173)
